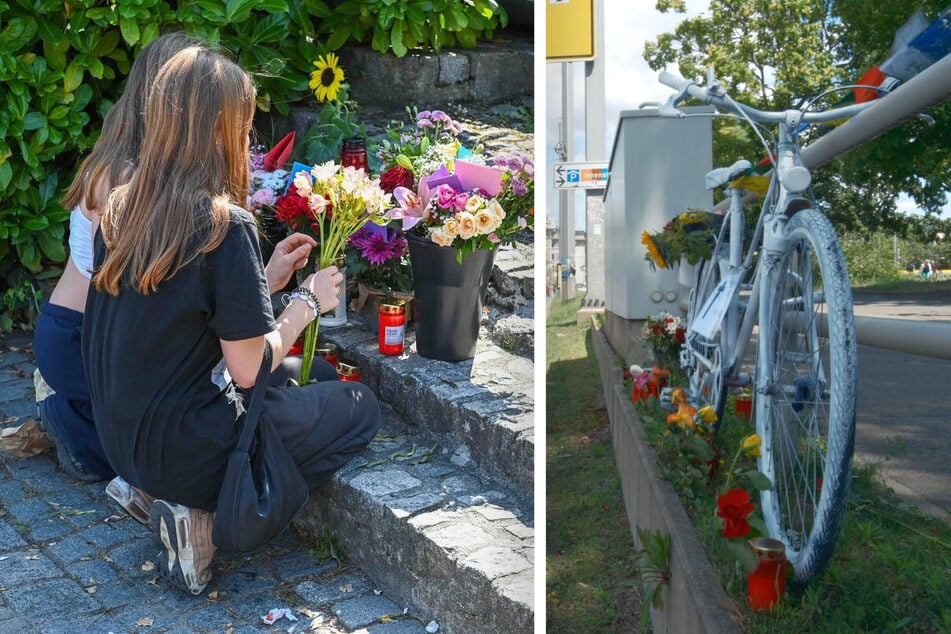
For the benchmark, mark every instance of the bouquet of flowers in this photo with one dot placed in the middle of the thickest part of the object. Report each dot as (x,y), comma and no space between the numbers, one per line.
(421,148)
(690,236)
(665,333)
(457,208)
(330,204)
(268,178)
(517,195)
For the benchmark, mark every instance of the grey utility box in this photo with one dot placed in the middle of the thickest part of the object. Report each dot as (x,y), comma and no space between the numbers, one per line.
(657,169)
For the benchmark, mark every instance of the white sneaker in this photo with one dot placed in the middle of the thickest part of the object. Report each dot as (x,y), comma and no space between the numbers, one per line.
(186,535)
(133,501)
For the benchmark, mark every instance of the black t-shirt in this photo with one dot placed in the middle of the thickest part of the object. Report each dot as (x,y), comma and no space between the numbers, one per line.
(165,425)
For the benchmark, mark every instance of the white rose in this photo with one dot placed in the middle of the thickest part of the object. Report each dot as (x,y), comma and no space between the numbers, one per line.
(467,225)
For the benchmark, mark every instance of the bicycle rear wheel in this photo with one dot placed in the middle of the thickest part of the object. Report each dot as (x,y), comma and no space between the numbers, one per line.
(806,386)
(706,372)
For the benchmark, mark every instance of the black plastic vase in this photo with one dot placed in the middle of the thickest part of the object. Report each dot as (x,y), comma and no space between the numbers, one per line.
(447,298)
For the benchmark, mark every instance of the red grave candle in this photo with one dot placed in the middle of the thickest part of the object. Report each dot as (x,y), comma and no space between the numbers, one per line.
(348,372)
(392,327)
(767,582)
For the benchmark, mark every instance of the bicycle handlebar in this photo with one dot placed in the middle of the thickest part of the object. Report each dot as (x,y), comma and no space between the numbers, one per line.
(687,87)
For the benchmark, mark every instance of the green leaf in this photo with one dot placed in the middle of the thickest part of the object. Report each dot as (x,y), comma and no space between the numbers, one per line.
(130,30)
(18,34)
(743,553)
(50,32)
(73,77)
(340,36)
(109,40)
(35,223)
(238,10)
(700,448)
(757,480)
(6,174)
(34,121)
(51,247)
(273,28)
(28,255)
(396,39)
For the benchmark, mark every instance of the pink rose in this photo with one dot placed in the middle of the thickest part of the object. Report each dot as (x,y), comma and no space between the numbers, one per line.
(445,196)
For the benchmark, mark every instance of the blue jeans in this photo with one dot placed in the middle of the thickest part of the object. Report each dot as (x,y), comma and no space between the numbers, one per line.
(68,412)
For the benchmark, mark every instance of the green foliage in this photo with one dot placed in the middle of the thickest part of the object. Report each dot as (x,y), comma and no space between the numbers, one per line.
(870,260)
(402,25)
(21,298)
(653,564)
(336,122)
(62,67)
(773,54)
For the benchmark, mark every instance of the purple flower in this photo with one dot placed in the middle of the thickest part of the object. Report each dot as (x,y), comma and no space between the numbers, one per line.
(425,114)
(424,123)
(518,187)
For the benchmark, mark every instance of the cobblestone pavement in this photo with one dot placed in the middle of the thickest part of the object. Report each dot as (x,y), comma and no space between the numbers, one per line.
(72,561)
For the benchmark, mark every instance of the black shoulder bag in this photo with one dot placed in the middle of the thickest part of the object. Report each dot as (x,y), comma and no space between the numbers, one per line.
(262,491)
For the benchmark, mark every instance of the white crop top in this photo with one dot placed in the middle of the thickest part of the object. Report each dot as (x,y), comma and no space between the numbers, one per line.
(80,241)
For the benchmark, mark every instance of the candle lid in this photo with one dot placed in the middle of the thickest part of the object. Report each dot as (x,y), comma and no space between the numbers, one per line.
(326,348)
(768,549)
(345,369)
(393,307)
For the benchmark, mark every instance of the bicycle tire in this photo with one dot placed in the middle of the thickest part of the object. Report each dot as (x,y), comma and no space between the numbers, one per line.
(707,384)
(806,389)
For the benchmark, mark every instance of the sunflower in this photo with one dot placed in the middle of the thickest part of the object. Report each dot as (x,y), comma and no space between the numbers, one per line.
(327,79)
(652,251)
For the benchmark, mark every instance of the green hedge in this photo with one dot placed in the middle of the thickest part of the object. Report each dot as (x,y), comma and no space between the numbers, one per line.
(62,65)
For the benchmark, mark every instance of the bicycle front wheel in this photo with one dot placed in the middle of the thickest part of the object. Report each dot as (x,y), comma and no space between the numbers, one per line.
(707,373)
(806,386)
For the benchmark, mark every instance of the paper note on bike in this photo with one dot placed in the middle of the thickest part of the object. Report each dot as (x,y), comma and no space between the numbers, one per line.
(711,314)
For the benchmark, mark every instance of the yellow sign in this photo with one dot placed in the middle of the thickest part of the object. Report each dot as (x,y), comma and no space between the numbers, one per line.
(569,30)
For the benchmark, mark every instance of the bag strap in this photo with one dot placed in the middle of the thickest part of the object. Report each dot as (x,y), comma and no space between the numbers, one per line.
(257,399)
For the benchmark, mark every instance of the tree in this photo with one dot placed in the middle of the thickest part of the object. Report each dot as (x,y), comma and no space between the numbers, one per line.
(775,53)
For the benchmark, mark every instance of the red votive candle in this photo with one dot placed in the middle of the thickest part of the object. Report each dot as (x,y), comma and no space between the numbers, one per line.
(767,582)
(392,327)
(297,349)
(348,372)
(329,353)
(354,154)
(744,406)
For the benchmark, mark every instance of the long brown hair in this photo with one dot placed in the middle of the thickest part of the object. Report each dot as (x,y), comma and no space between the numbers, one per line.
(193,164)
(123,128)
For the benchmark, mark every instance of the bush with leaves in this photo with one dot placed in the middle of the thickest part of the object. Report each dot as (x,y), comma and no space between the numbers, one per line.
(62,66)
(402,25)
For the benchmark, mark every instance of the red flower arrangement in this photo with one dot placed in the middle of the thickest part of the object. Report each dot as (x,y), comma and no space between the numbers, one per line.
(734,507)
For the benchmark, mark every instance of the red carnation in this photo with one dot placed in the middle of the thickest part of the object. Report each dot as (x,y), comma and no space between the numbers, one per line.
(396,177)
(734,507)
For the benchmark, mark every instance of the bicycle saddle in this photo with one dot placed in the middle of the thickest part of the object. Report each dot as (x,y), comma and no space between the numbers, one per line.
(722,175)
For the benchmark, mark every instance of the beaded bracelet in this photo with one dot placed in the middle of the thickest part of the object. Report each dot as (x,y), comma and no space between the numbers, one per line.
(306,295)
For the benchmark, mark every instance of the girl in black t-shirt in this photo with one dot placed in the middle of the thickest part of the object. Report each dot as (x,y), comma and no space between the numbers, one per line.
(180,285)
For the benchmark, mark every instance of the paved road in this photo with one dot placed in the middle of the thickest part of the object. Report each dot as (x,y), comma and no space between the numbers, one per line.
(903,422)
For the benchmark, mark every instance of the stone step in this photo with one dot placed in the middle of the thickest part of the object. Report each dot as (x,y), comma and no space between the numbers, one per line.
(485,405)
(434,530)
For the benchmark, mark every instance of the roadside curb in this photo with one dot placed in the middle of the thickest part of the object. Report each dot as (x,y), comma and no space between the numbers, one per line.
(693,601)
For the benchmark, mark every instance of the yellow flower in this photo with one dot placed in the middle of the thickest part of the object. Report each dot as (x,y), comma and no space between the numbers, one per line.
(751,445)
(678,396)
(327,79)
(707,415)
(653,251)
(683,416)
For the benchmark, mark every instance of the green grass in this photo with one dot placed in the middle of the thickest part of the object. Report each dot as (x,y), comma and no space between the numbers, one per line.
(891,570)
(908,285)
(591,585)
